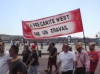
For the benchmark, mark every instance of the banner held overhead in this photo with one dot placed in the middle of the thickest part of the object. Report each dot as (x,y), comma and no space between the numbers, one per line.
(53,26)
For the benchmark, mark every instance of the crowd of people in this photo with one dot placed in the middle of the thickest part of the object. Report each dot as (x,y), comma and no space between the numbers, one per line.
(66,62)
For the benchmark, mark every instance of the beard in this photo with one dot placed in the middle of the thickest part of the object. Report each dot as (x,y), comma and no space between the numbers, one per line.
(91,49)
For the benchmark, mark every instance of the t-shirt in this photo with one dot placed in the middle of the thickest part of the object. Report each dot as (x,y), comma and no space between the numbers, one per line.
(26,55)
(95,56)
(35,56)
(17,66)
(53,51)
(66,60)
(3,62)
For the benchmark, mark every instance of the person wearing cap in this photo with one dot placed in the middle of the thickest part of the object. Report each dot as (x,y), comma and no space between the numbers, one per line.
(94,58)
(82,60)
(34,64)
(66,59)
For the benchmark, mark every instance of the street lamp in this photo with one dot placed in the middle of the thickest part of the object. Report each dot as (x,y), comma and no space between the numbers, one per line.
(99,34)
(98,37)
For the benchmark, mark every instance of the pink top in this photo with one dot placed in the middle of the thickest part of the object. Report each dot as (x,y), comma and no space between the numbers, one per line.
(83,60)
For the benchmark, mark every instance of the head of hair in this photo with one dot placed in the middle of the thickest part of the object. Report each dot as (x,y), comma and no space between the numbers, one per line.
(15,48)
(66,46)
(92,44)
(78,46)
(53,44)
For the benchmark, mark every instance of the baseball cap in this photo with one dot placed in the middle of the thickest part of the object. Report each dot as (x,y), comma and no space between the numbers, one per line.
(33,46)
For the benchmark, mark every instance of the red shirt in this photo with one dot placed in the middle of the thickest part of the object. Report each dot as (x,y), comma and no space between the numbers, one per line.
(95,56)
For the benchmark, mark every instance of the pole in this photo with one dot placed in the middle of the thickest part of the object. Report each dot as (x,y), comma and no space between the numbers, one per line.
(84,39)
(83,33)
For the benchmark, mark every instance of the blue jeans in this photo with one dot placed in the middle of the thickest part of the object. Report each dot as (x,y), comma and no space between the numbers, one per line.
(33,70)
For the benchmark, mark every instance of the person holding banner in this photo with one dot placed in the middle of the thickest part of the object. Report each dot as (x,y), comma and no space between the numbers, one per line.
(82,60)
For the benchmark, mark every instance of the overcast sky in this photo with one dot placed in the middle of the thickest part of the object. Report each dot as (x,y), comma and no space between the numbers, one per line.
(12,12)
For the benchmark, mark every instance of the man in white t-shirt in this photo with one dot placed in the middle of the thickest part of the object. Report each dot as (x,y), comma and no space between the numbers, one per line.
(66,59)
(4,57)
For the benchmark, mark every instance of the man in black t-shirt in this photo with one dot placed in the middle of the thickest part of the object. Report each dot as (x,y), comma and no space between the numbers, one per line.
(26,55)
(15,64)
(17,67)
(48,64)
(33,65)
(53,57)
